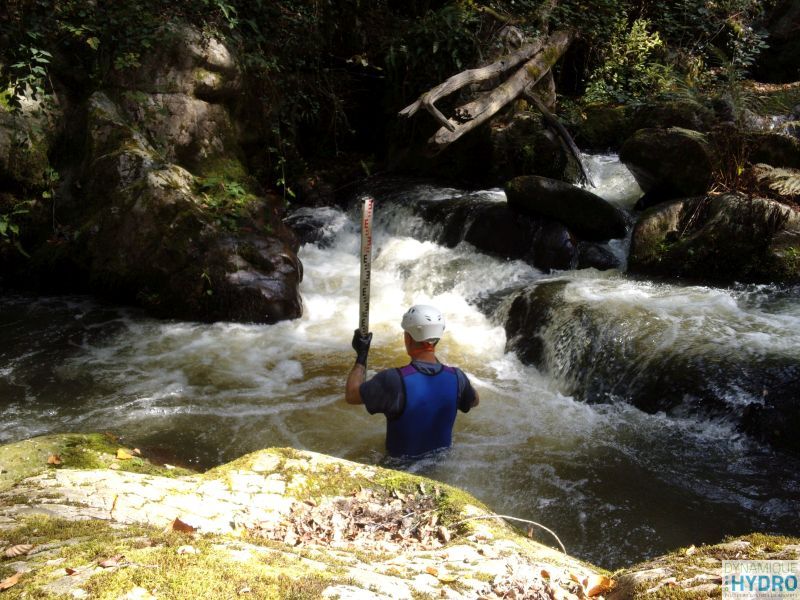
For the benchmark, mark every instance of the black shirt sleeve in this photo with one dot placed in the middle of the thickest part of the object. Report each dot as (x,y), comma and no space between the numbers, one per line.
(384,394)
(466,393)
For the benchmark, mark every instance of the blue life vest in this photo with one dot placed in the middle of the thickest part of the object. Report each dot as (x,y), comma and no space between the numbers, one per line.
(426,422)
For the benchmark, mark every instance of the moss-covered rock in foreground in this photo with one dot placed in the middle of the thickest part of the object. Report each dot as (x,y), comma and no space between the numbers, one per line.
(696,572)
(29,458)
(278,523)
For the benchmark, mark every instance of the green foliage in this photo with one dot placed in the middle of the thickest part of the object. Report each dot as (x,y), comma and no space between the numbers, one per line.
(28,75)
(629,70)
(9,224)
(437,45)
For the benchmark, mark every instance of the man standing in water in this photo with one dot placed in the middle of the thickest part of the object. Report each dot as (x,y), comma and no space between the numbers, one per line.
(419,400)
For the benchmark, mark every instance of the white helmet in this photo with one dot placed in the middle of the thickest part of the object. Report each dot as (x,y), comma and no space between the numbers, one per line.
(423,323)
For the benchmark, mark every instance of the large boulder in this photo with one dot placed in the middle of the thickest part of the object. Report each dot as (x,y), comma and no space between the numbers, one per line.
(589,216)
(687,114)
(672,163)
(181,244)
(155,205)
(494,229)
(721,239)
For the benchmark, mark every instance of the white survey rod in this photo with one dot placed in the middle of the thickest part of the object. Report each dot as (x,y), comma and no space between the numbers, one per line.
(366,264)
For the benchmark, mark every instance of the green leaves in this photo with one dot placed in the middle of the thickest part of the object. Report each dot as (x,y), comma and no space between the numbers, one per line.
(630,69)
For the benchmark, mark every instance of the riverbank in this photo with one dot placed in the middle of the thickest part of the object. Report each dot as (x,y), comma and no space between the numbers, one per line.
(83,517)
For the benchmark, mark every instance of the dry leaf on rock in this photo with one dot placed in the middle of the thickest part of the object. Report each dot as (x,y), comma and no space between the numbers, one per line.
(70,571)
(545,574)
(54,459)
(10,581)
(114,561)
(432,571)
(178,525)
(597,585)
(18,550)
(123,454)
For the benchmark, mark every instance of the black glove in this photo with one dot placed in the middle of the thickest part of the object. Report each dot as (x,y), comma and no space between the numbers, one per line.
(361,346)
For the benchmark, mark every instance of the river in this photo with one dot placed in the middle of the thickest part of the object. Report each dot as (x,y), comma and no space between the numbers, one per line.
(617,484)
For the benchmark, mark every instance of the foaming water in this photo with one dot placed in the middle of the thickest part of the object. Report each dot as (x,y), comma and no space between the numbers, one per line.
(616,484)
(614,181)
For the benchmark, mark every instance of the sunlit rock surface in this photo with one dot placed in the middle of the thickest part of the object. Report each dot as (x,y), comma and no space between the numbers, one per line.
(282,515)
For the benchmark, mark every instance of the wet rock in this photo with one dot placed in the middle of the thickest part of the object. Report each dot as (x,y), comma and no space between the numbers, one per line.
(590,217)
(495,229)
(595,256)
(719,239)
(776,420)
(671,162)
(554,247)
(559,329)
(528,316)
(315,225)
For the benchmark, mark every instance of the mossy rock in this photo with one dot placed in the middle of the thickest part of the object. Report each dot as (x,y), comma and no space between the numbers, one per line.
(28,458)
(718,239)
(695,572)
(685,114)
(109,531)
(673,163)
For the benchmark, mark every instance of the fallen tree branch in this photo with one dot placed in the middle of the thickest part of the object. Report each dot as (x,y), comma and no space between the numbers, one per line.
(475,113)
(460,80)
(553,121)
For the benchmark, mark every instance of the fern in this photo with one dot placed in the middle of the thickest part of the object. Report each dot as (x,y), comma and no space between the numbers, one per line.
(782,180)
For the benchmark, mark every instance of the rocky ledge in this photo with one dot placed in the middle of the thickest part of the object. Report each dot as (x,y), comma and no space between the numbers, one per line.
(83,517)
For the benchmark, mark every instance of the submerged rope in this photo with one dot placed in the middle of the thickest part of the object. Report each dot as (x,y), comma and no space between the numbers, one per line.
(550,531)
